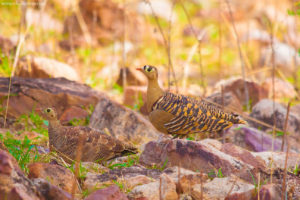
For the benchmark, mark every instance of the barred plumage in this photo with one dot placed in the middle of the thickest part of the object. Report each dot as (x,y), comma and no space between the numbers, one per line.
(193,116)
(179,115)
(97,146)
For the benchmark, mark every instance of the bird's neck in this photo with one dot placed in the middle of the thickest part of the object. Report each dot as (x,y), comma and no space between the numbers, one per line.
(154,92)
(53,129)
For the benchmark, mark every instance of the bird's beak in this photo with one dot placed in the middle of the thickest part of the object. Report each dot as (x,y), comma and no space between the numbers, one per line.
(139,69)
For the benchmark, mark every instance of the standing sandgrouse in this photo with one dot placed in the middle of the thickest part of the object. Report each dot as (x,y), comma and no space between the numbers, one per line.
(97,145)
(180,115)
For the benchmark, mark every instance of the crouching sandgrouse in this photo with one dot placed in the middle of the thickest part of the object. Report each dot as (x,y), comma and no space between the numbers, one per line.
(181,115)
(97,146)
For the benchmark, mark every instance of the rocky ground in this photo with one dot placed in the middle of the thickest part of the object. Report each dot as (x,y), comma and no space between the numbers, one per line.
(80,57)
(245,163)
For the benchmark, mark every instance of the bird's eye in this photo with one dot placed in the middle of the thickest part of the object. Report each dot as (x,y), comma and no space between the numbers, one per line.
(48,110)
(149,69)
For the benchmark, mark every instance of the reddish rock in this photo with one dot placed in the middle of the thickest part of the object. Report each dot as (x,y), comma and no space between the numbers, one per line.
(122,123)
(270,192)
(6,45)
(133,77)
(109,17)
(243,155)
(236,86)
(41,67)
(187,182)
(164,189)
(230,101)
(191,155)
(263,111)
(13,183)
(137,180)
(55,174)
(94,181)
(283,88)
(59,93)
(49,191)
(109,193)
(136,95)
(229,188)
(72,113)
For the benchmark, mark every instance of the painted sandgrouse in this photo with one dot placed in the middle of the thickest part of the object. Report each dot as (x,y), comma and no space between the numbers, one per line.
(181,115)
(97,146)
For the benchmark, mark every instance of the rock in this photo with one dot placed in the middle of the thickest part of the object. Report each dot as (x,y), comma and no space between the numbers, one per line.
(104,21)
(7,46)
(243,155)
(41,67)
(161,8)
(191,155)
(187,182)
(185,197)
(253,139)
(55,174)
(270,192)
(59,93)
(133,77)
(147,191)
(136,95)
(73,112)
(93,167)
(176,173)
(138,180)
(285,57)
(109,193)
(283,89)
(224,188)
(277,159)
(43,20)
(95,181)
(231,102)
(49,191)
(13,183)
(122,123)
(168,188)
(164,189)
(295,110)
(263,111)
(236,86)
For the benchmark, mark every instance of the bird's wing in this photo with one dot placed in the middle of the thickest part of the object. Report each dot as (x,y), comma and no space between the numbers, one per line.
(96,144)
(190,115)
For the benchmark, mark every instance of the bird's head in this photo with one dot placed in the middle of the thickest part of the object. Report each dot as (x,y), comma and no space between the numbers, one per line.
(150,72)
(50,114)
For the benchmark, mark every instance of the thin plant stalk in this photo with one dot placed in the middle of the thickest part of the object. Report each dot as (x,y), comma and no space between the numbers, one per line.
(240,55)
(285,125)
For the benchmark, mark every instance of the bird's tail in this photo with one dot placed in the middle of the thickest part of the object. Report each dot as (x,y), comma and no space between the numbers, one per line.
(241,121)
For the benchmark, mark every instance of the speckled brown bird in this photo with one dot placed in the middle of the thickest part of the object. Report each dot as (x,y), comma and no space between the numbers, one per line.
(181,115)
(97,146)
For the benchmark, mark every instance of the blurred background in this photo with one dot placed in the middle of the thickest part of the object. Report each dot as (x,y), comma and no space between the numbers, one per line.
(198,46)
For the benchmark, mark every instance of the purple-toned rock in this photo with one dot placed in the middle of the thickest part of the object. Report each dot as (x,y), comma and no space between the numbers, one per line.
(122,123)
(270,192)
(191,155)
(49,191)
(109,193)
(253,139)
(263,111)
(244,155)
(229,188)
(237,87)
(13,183)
